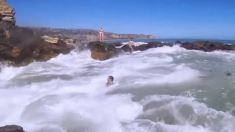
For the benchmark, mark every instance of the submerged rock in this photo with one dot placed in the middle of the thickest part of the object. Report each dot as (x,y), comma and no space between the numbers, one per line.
(11,128)
(20,46)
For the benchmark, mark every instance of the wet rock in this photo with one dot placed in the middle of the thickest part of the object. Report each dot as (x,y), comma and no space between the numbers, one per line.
(178,42)
(23,47)
(101,50)
(126,48)
(20,46)
(11,128)
(143,47)
(117,44)
(207,46)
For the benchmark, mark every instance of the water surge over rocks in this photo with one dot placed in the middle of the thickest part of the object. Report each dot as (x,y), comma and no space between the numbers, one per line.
(103,51)
(162,89)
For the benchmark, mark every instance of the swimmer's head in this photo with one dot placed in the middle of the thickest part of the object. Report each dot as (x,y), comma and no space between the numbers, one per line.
(131,38)
(110,79)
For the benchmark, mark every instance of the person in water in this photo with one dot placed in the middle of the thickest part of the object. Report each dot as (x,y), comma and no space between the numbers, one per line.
(101,34)
(131,44)
(110,81)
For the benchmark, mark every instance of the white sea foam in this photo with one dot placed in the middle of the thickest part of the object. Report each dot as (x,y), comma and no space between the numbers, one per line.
(68,94)
(135,43)
(187,111)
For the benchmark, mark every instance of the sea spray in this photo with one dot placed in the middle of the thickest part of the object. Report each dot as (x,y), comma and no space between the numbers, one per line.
(68,93)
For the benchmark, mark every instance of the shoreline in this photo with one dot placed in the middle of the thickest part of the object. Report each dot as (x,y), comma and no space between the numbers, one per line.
(169,40)
(104,50)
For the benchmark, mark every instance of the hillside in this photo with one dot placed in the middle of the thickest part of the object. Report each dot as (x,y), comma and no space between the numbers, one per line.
(86,34)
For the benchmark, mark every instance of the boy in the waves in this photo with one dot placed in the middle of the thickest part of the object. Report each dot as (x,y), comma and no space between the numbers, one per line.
(110,81)
(131,45)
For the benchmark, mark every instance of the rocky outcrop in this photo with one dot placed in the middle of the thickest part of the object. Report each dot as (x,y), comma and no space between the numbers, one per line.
(102,51)
(87,34)
(55,40)
(69,41)
(21,46)
(50,39)
(7,14)
(207,46)
(198,45)
(11,128)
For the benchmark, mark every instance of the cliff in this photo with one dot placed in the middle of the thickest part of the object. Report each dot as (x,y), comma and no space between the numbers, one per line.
(21,46)
(86,34)
(7,14)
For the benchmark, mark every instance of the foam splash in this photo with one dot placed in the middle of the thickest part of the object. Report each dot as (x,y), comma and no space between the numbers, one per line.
(60,110)
(179,110)
(135,43)
(68,94)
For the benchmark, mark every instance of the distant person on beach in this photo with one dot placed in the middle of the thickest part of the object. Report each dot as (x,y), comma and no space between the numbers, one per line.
(131,44)
(101,34)
(110,81)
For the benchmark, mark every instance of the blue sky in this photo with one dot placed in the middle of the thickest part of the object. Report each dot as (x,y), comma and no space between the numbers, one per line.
(205,19)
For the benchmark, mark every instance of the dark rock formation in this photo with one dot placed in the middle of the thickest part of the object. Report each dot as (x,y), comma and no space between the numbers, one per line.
(86,34)
(11,128)
(21,46)
(198,45)
(102,51)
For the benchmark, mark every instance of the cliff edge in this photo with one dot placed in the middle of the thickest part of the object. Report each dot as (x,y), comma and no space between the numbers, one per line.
(21,46)
(7,14)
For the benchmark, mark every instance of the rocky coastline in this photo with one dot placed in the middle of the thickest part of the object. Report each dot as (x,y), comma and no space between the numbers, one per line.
(103,51)
(86,34)
(20,46)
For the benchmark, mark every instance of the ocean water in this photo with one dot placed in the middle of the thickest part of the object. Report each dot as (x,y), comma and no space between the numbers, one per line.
(174,40)
(167,89)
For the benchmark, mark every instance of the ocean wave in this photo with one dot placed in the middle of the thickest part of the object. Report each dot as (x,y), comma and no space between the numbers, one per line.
(68,92)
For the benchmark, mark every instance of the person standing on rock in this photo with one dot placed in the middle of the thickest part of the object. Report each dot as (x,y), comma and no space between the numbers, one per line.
(131,44)
(101,34)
